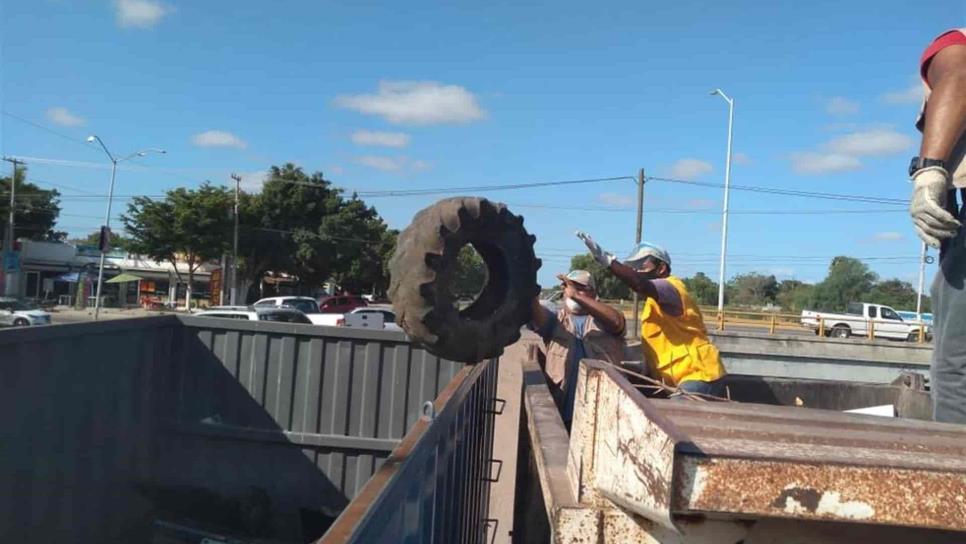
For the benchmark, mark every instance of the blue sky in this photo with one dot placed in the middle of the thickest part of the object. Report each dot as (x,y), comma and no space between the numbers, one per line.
(384,96)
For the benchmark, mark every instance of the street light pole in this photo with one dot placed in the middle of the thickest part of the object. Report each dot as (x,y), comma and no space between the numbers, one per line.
(10,285)
(922,281)
(107,218)
(724,211)
(234,252)
(107,232)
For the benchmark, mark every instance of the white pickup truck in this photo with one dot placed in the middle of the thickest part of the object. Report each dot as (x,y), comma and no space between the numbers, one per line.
(857,318)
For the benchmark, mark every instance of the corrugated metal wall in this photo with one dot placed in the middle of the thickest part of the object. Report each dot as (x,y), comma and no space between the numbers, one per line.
(78,407)
(118,423)
(440,491)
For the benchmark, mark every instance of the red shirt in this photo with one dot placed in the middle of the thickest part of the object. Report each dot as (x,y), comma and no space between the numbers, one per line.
(952,37)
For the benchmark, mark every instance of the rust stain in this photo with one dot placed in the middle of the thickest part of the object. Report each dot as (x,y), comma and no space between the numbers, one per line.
(807,498)
(825,491)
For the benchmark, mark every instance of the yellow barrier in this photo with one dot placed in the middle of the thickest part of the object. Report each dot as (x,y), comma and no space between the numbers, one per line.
(772,322)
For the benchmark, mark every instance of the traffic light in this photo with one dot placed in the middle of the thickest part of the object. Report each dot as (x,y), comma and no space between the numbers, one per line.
(104,240)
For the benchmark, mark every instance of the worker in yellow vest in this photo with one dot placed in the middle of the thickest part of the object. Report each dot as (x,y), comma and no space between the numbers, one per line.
(673,334)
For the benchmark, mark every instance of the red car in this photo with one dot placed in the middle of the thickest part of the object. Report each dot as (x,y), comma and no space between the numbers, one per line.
(340,304)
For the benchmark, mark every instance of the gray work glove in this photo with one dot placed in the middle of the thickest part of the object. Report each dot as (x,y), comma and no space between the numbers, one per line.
(928,206)
(596,251)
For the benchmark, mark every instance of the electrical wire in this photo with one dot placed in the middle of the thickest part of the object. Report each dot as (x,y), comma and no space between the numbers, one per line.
(787,192)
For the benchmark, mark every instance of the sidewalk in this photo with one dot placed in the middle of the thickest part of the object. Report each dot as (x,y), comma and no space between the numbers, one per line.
(64,314)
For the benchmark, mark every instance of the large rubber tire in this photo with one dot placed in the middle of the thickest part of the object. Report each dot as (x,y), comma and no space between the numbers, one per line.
(422,268)
(840,331)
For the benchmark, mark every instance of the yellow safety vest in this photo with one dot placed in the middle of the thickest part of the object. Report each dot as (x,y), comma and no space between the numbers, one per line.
(677,349)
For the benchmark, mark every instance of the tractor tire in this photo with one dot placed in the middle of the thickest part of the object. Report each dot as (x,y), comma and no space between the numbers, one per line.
(422,269)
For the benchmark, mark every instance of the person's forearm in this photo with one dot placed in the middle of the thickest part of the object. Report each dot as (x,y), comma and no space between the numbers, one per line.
(607,317)
(946,112)
(635,281)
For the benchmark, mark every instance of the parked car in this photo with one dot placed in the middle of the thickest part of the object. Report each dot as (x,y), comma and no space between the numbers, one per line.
(388,316)
(306,305)
(886,322)
(341,304)
(20,313)
(257,313)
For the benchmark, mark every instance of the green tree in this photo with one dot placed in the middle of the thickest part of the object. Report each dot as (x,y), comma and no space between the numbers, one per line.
(847,280)
(118,241)
(608,285)
(703,289)
(35,210)
(895,293)
(189,225)
(294,205)
(794,295)
(752,289)
(470,275)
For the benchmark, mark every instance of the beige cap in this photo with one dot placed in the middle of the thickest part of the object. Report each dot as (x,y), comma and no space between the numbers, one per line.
(582,277)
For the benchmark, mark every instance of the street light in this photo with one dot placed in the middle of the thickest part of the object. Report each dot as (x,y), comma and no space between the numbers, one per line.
(724,212)
(110,200)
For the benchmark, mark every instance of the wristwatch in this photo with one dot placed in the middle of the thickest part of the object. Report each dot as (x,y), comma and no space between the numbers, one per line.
(918,163)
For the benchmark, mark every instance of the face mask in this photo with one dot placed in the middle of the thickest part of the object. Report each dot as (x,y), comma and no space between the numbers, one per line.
(573,306)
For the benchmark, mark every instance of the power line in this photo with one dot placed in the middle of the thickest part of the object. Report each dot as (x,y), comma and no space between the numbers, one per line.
(788,192)
(483,188)
(688,211)
(46,129)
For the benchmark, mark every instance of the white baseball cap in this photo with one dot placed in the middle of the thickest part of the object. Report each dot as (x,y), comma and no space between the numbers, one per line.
(647,249)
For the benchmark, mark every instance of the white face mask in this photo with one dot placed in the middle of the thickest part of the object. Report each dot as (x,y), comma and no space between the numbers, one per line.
(573,306)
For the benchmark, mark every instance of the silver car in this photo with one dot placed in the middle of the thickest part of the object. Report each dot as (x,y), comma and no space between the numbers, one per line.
(19,313)
(257,313)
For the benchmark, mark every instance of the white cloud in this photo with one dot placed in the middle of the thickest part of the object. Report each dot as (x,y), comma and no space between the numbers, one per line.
(842,154)
(874,142)
(617,200)
(140,13)
(393,164)
(910,95)
(741,159)
(823,163)
(384,139)
(888,236)
(690,168)
(218,138)
(336,169)
(63,117)
(839,105)
(416,103)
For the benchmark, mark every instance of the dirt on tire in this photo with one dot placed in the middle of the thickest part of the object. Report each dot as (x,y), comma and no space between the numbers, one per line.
(422,270)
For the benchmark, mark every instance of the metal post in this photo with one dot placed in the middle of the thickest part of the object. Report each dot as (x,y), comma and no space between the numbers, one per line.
(107,223)
(234,252)
(11,279)
(724,211)
(637,240)
(922,281)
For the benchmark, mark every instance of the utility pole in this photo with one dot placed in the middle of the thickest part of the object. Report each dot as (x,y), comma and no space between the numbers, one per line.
(11,278)
(922,281)
(234,252)
(637,240)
